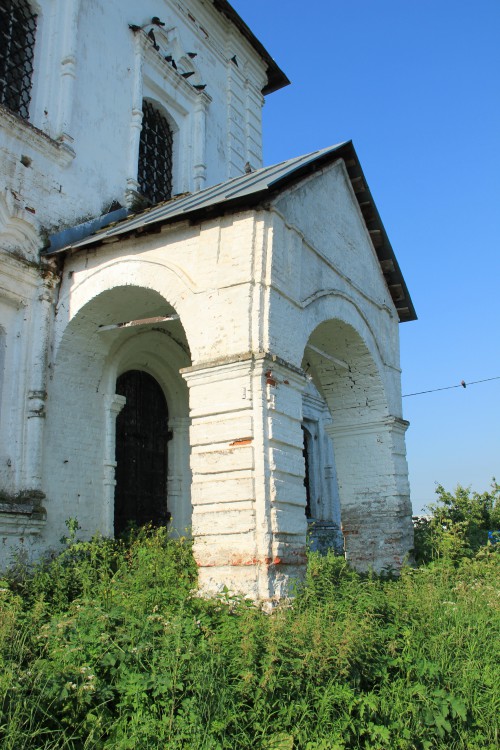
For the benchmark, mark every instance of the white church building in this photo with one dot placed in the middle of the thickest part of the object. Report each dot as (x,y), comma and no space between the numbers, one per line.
(188,337)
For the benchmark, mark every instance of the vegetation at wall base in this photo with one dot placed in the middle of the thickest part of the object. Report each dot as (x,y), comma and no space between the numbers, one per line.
(108,645)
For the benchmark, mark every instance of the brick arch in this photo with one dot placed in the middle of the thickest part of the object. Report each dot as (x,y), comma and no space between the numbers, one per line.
(368,441)
(146,350)
(336,306)
(82,403)
(162,284)
(345,372)
(375,333)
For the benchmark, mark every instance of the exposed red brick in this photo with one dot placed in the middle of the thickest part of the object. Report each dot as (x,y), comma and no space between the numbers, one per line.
(241,441)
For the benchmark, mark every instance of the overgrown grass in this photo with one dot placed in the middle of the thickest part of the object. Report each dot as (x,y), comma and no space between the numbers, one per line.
(108,646)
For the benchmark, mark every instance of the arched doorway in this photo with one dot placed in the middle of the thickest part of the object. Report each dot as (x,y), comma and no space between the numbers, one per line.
(141,453)
(352,379)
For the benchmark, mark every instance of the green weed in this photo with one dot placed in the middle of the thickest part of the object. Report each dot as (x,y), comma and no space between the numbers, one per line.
(108,646)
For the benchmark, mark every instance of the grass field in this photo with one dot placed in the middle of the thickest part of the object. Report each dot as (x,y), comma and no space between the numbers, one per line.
(108,646)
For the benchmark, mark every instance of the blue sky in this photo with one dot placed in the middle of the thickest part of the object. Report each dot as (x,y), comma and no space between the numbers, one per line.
(415,85)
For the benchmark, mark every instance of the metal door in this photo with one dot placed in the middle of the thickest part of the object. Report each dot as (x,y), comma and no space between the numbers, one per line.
(141,453)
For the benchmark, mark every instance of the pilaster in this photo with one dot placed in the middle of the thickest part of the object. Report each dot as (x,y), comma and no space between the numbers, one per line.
(248,497)
(199,142)
(178,481)
(113,405)
(68,70)
(374,492)
(37,388)
(132,190)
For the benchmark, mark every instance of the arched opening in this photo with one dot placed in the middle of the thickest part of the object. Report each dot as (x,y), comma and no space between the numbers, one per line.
(322,505)
(320,493)
(141,453)
(367,466)
(87,394)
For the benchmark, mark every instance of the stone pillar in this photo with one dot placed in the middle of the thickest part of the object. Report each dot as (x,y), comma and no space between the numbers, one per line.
(248,497)
(374,492)
(113,406)
(178,481)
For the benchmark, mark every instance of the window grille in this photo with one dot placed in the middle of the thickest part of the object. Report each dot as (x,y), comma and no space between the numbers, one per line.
(155,155)
(17,45)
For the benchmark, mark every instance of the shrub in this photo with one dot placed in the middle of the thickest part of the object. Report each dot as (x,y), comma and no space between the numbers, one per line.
(458,524)
(122,653)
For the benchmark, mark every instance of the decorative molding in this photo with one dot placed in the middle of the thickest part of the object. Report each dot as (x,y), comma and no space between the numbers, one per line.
(32,137)
(263,359)
(24,515)
(367,428)
(13,523)
(155,78)
(170,47)
(16,233)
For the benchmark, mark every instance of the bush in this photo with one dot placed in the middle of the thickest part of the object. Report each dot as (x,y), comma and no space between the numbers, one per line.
(458,524)
(122,653)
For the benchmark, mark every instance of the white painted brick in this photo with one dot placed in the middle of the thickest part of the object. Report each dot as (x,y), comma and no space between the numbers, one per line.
(252,290)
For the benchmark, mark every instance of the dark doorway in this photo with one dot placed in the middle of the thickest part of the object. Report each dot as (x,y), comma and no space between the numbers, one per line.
(306,452)
(141,453)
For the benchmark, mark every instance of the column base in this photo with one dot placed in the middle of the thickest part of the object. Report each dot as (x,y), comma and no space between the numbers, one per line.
(262,582)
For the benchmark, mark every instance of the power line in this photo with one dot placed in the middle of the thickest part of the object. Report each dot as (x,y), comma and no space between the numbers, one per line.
(462,384)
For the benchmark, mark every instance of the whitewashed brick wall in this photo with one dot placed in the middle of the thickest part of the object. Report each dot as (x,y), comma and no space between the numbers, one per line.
(252,291)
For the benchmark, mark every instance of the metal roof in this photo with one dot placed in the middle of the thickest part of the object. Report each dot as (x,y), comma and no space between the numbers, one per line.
(251,190)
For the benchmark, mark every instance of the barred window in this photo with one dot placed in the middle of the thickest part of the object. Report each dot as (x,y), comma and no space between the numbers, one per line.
(17,45)
(155,155)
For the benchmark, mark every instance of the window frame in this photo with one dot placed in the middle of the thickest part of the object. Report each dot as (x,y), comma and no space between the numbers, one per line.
(22,80)
(148,188)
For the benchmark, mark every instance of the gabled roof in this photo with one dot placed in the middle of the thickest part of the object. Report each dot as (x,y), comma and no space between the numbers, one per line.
(254,189)
(276,79)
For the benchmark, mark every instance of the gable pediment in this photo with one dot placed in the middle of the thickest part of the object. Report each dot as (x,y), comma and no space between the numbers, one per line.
(324,211)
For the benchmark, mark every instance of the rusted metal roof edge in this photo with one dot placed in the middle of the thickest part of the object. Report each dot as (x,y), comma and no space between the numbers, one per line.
(276,78)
